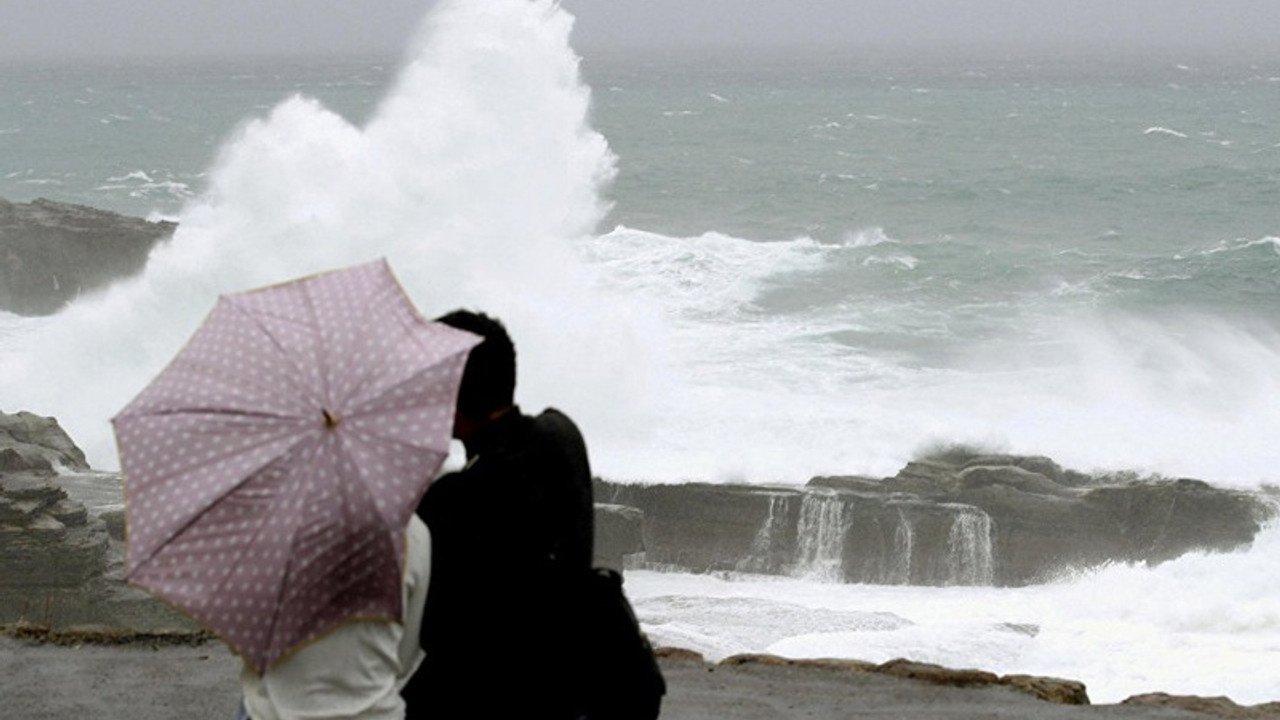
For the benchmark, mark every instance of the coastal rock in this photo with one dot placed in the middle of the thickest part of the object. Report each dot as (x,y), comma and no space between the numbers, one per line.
(51,252)
(619,534)
(937,674)
(64,564)
(49,549)
(957,517)
(61,565)
(1052,690)
(34,443)
(1216,706)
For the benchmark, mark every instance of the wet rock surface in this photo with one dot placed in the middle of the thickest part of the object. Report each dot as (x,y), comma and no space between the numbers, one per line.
(51,252)
(956,518)
(62,565)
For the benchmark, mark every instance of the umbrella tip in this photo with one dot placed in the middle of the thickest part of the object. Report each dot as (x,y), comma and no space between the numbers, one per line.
(330,420)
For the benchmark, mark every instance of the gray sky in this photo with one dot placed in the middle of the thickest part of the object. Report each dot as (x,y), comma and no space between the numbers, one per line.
(189,27)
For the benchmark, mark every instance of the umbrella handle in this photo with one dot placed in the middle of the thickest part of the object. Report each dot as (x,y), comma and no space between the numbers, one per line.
(330,420)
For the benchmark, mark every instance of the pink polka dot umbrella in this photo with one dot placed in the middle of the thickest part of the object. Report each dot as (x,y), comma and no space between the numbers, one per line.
(271,469)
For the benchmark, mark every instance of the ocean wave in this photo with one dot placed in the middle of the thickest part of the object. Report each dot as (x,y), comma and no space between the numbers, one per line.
(869,237)
(712,273)
(1270,242)
(1199,624)
(140,184)
(906,262)
(1164,131)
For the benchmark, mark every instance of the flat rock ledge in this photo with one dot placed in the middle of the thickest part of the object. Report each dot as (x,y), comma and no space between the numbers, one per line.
(51,252)
(1217,706)
(1053,690)
(956,517)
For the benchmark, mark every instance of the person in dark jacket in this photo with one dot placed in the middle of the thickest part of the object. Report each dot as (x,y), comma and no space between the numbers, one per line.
(509,533)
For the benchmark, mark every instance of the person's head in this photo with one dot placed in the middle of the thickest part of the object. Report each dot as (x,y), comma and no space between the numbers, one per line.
(489,380)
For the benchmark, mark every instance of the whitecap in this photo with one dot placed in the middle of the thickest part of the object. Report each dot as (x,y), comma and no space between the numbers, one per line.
(868,237)
(1163,131)
(906,262)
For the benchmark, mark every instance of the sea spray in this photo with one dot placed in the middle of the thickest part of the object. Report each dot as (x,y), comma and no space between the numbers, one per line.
(474,176)
(1204,624)
(935,299)
(807,358)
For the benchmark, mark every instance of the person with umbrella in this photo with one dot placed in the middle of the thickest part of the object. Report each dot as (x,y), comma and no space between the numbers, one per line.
(271,475)
(511,533)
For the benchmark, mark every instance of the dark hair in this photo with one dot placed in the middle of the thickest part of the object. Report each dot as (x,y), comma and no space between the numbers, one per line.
(489,380)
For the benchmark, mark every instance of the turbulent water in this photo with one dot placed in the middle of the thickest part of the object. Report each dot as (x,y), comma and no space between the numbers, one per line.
(747,268)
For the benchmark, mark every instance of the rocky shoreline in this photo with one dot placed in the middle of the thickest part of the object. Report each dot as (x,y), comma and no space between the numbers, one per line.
(63,581)
(956,517)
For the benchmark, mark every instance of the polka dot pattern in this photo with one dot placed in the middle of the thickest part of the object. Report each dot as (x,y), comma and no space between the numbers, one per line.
(271,468)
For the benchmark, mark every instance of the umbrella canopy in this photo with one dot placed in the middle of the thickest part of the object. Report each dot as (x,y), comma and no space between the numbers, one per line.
(271,469)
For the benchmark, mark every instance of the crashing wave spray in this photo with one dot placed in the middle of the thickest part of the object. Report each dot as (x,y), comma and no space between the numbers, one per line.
(473,177)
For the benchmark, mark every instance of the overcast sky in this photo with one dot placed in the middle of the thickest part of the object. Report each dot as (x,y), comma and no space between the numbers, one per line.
(191,27)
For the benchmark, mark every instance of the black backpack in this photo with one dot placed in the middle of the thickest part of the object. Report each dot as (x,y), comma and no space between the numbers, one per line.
(623,679)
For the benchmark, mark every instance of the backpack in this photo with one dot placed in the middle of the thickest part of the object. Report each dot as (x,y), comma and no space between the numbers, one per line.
(623,679)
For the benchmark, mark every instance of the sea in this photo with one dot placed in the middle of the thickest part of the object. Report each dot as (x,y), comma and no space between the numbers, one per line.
(755,267)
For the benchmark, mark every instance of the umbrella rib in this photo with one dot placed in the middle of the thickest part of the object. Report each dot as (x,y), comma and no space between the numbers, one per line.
(284,455)
(293,378)
(322,342)
(408,323)
(397,441)
(162,412)
(284,458)
(366,328)
(373,401)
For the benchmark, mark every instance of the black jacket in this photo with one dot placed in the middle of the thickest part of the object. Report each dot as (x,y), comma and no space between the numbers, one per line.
(508,533)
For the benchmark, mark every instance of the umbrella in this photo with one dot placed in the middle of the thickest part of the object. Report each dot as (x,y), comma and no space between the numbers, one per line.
(271,469)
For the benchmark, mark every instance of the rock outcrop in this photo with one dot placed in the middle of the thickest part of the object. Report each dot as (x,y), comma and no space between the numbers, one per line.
(959,518)
(30,442)
(62,563)
(1049,689)
(60,566)
(50,252)
(1214,706)
(956,518)
(619,535)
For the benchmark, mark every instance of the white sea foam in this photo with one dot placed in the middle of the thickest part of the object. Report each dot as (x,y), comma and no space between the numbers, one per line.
(1122,630)
(141,184)
(1163,131)
(867,237)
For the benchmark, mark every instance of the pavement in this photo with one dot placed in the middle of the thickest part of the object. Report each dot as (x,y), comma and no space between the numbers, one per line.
(145,681)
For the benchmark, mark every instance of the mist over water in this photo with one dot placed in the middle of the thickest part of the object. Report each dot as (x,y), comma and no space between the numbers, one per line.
(473,176)
(481,175)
